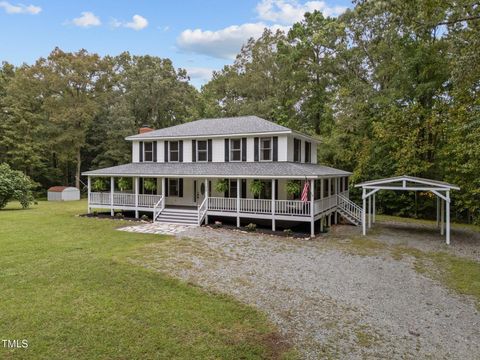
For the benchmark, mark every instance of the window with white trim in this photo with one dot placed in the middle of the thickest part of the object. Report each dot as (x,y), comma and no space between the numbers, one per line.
(308,152)
(174,150)
(202,150)
(297,150)
(148,151)
(266,149)
(233,189)
(236,150)
(173,187)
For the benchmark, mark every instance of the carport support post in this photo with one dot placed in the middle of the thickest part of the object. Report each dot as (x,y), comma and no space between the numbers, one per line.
(89,185)
(135,184)
(273,204)
(112,188)
(448,217)
(238,202)
(374,209)
(442,217)
(364,219)
(438,211)
(370,211)
(312,208)
(321,197)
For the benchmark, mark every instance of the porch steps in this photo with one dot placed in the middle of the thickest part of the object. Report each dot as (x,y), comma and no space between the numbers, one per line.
(349,210)
(178,216)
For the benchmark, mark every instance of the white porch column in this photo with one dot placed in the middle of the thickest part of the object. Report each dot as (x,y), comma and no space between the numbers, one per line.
(206,197)
(312,209)
(364,218)
(89,185)
(238,202)
(136,187)
(321,197)
(329,194)
(112,188)
(442,217)
(448,217)
(273,204)
(337,188)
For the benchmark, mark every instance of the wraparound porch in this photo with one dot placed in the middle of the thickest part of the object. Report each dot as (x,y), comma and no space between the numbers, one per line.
(326,199)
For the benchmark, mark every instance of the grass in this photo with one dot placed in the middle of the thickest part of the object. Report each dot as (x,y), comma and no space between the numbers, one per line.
(66,286)
(461,226)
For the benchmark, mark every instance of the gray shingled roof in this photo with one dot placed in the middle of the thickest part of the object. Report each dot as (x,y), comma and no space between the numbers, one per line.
(220,169)
(219,126)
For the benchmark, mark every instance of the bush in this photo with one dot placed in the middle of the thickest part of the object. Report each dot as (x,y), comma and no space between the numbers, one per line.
(217,224)
(15,185)
(144,218)
(256,187)
(251,227)
(95,213)
(119,215)
(288,232)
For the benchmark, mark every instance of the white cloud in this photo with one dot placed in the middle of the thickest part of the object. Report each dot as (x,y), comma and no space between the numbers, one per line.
(275,14)
(20,8)
(224,43)
(201,73)
(138,23)
(87,19)
(291,11)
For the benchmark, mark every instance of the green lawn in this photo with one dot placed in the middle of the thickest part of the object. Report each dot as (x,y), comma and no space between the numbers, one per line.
(66,286)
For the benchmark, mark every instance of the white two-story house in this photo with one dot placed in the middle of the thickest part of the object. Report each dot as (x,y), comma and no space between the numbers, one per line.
(244,168)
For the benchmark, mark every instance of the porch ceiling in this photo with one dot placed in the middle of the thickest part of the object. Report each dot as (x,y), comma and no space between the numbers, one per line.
(221,170)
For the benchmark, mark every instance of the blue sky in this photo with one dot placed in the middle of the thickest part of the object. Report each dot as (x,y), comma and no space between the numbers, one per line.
(199,36)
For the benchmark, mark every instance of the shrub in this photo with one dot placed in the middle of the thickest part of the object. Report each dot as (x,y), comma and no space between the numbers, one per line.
(251,227)
(95,213)
(288,232)
(119,215)
(217,224)
(15,185)
(144,218)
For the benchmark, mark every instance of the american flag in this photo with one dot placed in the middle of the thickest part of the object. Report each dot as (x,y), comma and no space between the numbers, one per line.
(306,187)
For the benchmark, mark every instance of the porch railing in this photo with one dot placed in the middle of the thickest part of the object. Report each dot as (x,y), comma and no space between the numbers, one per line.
(257,206)
(325,204)
(123,199)
(292,207)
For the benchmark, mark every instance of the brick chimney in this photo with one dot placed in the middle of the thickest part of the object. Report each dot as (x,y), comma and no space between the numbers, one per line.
(144,129)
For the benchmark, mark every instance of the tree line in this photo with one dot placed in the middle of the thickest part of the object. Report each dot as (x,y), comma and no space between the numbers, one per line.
(389,88)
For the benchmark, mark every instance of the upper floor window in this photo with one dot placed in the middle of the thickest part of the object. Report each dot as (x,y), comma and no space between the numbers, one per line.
(297,150)
(236,150)
(148,151)
(202,150)
(308,152)
(266,149)
(174,150)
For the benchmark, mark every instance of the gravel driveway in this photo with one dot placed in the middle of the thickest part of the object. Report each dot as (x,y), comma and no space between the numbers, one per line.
(329,302)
